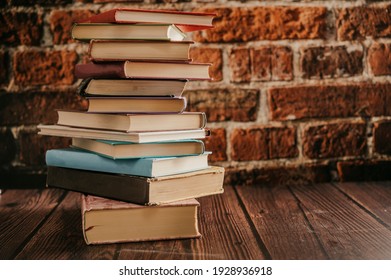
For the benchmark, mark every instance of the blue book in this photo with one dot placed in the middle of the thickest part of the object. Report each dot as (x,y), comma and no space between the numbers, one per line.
(146,167)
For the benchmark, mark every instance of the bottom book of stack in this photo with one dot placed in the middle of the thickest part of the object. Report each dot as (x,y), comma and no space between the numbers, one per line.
(111,221)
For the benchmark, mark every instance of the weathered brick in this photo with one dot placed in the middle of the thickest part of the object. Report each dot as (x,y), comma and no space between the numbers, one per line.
(360,170)
(33,146)
(38,2)
(224,104)
(331,62)
(334,140)
(116,1)
(61,23)
(274,176)
(356,23)
(36,107)
(209,55)
(44,67)
(261,143)
(8,146)
(382,137)
(299,102)
(3,67)
(379,58)
(261,64)
(20,28)
(264,23)
(217,144)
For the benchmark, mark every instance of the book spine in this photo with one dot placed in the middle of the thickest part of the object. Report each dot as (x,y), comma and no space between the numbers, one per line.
(101,70)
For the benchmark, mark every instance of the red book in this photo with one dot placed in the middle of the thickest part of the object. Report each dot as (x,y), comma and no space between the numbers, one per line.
(186,21)
(143,70)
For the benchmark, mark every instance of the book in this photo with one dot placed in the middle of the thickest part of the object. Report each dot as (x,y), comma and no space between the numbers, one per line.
(139,190)
(143,70)
(110,221)
(143,105)
(108,31)
(123,150)
(132,122)
(131,87)
(134,137)
(185,21)
(147,167)
(120,50)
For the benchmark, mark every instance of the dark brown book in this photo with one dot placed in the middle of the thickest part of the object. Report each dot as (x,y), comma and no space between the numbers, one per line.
(143,70)
(136,189)
(111,221)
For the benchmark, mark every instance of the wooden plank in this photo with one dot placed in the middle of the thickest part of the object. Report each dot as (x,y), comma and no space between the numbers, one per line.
(22,211)
(375,197)
(281,223)
(61,237)
(225,231)
(344,229)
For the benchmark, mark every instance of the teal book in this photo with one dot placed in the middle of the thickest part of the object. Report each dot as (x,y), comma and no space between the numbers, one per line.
(146,167)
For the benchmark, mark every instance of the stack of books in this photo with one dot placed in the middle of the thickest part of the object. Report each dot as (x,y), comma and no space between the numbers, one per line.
(136,155)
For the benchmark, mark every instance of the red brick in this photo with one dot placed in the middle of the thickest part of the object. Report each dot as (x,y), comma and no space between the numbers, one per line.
(20,28)
(261,63)
(275,176)
(224,104)
(356,23)
(264,23)
(217,144)
(8,146)
(209,55)
(282,63)
(44,67)
(321,101)
(38,2)
(33,147)
(379,58)
(382,137)
(61,23)
(3,67)
(36,107)
(334,140)
(361,170)
(239,63)
(260,143)
(331,62)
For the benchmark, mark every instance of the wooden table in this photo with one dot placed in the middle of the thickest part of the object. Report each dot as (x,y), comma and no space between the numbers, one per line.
(325,221)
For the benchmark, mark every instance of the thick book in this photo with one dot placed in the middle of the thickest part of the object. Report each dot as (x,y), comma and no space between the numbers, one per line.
(134,105)
(132,122)
(131,87)
(139,190)
(108,31)
(147,167)
(111,221)
(186,21)
(124,150)
(143,70)
(138,50)
(134,137)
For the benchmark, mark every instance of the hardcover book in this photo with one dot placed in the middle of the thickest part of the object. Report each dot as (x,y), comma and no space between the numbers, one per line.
(133,137)
(110,221)
(120,50)
(186,21)
(132,123)
(136,189)
(107,31)
(131,87)
(124,150)
(143,70)
(132,105)
(147,167)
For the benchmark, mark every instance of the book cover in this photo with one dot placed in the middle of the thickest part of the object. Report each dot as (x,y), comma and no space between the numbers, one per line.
(136,189)
(147,167)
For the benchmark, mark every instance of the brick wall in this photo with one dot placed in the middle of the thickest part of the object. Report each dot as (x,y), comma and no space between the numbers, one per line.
(301,90)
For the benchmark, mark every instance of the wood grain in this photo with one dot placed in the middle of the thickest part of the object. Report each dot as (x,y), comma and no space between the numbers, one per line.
(60,237)
(344,229)
(21,212)
(225,235)
(281,223)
